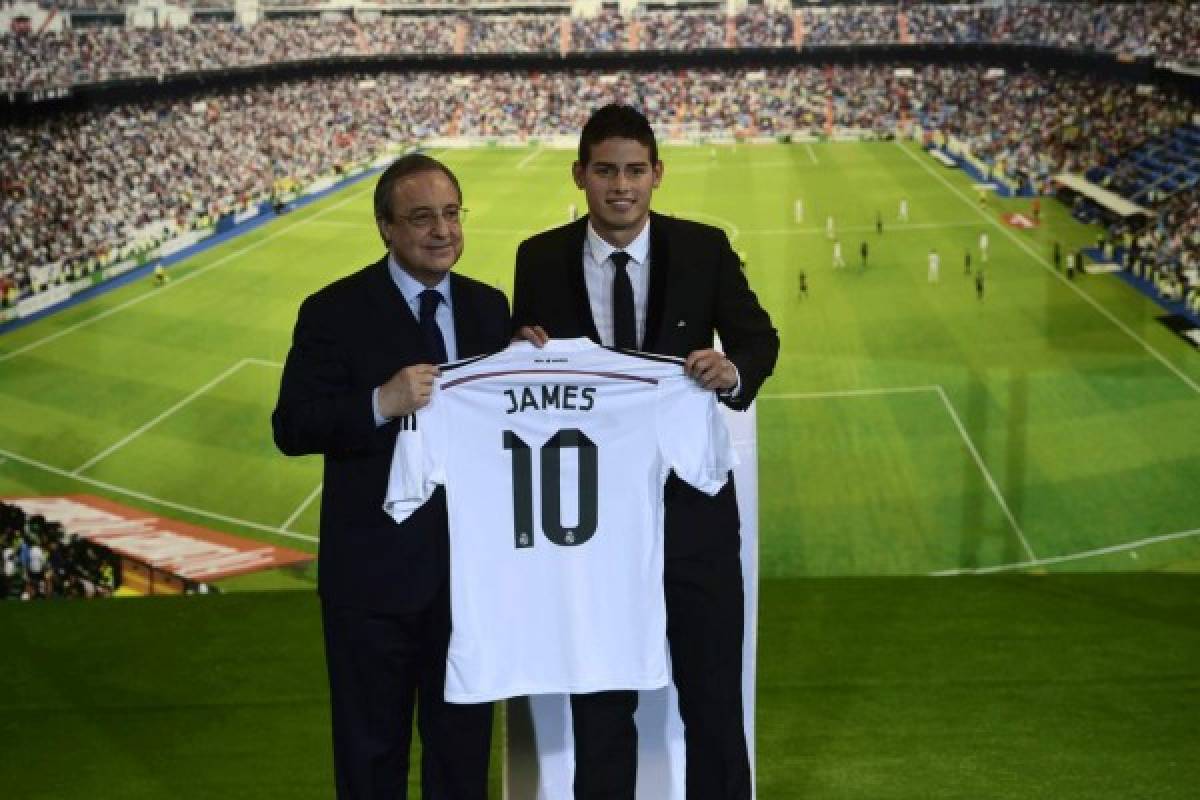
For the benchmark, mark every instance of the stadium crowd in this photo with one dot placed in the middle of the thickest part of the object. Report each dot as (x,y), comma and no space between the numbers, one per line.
(79,185)
(96,54)
(504,33)
(40,559)
(1028,126)
(686,30)
(1167,251)
(850,25)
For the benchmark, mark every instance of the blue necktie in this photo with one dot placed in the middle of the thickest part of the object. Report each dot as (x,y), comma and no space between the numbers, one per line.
(624,321)
(434,343)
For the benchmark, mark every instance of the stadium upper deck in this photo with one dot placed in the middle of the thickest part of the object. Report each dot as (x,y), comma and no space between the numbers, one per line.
(63,57)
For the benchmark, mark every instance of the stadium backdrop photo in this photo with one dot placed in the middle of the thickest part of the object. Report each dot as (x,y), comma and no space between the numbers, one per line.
(978,456)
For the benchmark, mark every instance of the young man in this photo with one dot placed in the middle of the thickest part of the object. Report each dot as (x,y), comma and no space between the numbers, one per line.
(862,253)
(983,247)
(902,216)
(838,260)
(934,266)
(627,277)
(363,357)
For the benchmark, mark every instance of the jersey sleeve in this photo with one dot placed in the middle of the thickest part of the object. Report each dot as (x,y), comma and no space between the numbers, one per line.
(692,436)
(418,461)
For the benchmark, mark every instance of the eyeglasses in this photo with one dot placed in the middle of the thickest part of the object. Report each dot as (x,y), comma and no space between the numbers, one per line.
(425,218)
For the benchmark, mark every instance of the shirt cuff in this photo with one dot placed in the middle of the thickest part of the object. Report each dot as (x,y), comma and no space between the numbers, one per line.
(735,392)
(380,419)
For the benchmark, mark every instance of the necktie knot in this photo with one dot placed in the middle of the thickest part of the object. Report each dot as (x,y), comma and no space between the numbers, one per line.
(430,300)
(620,259)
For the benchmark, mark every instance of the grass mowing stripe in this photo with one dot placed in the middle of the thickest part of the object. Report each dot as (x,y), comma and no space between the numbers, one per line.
(845,393)
(200,512)
(1041,260)
(893,228)
(729,226)
(108,451)
(962,431)
(184,279)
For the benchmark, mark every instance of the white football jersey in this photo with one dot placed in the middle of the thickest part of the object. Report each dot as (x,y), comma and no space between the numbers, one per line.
(554,461)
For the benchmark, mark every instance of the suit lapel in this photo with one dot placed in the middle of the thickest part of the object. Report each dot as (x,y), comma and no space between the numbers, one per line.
(388,300)
(573,260)
(466,321)
(660,263)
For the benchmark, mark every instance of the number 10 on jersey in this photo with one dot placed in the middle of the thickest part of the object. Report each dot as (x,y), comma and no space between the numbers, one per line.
(551,472)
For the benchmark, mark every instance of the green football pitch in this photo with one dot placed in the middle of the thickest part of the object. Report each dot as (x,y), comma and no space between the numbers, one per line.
(910,429)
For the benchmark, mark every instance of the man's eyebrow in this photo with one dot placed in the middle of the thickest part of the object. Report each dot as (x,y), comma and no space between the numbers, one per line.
(616,165)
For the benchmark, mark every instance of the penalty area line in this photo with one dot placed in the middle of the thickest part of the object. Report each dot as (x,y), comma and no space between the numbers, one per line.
(149,498)
(958,425)
(1079,556)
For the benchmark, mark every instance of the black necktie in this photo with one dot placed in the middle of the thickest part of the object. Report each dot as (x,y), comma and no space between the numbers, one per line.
(624,321)
(435,344)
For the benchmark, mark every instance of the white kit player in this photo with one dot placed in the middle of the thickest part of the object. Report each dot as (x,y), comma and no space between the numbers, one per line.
(934,266)
(838,260)
(554,461)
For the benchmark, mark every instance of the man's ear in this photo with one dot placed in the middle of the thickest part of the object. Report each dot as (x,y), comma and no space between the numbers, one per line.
(381,225)
(658,173)
(578,171)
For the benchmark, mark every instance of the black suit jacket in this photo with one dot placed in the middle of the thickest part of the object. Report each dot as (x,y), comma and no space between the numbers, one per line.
(351,337)
(697,289)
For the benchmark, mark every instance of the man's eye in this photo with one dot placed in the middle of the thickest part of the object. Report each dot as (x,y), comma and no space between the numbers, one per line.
(421,218)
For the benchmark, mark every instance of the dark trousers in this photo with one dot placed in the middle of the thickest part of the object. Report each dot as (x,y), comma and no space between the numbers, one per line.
(705,623)
(382,666)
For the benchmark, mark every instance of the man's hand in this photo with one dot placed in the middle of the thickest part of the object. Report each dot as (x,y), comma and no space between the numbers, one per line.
(407,390)
(531,333)
(711,369)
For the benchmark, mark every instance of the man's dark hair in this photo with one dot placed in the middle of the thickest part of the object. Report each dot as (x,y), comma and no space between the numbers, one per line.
(401,168)
(615,121)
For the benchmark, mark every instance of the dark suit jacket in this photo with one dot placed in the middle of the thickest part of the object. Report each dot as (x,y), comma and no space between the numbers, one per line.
(351,337)
(697,289)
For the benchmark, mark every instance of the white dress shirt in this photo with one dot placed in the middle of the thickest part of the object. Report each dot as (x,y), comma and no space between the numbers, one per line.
(410,288)
(598,272)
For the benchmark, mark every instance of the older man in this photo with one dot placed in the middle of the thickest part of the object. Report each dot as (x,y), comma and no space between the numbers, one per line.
(363,356)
